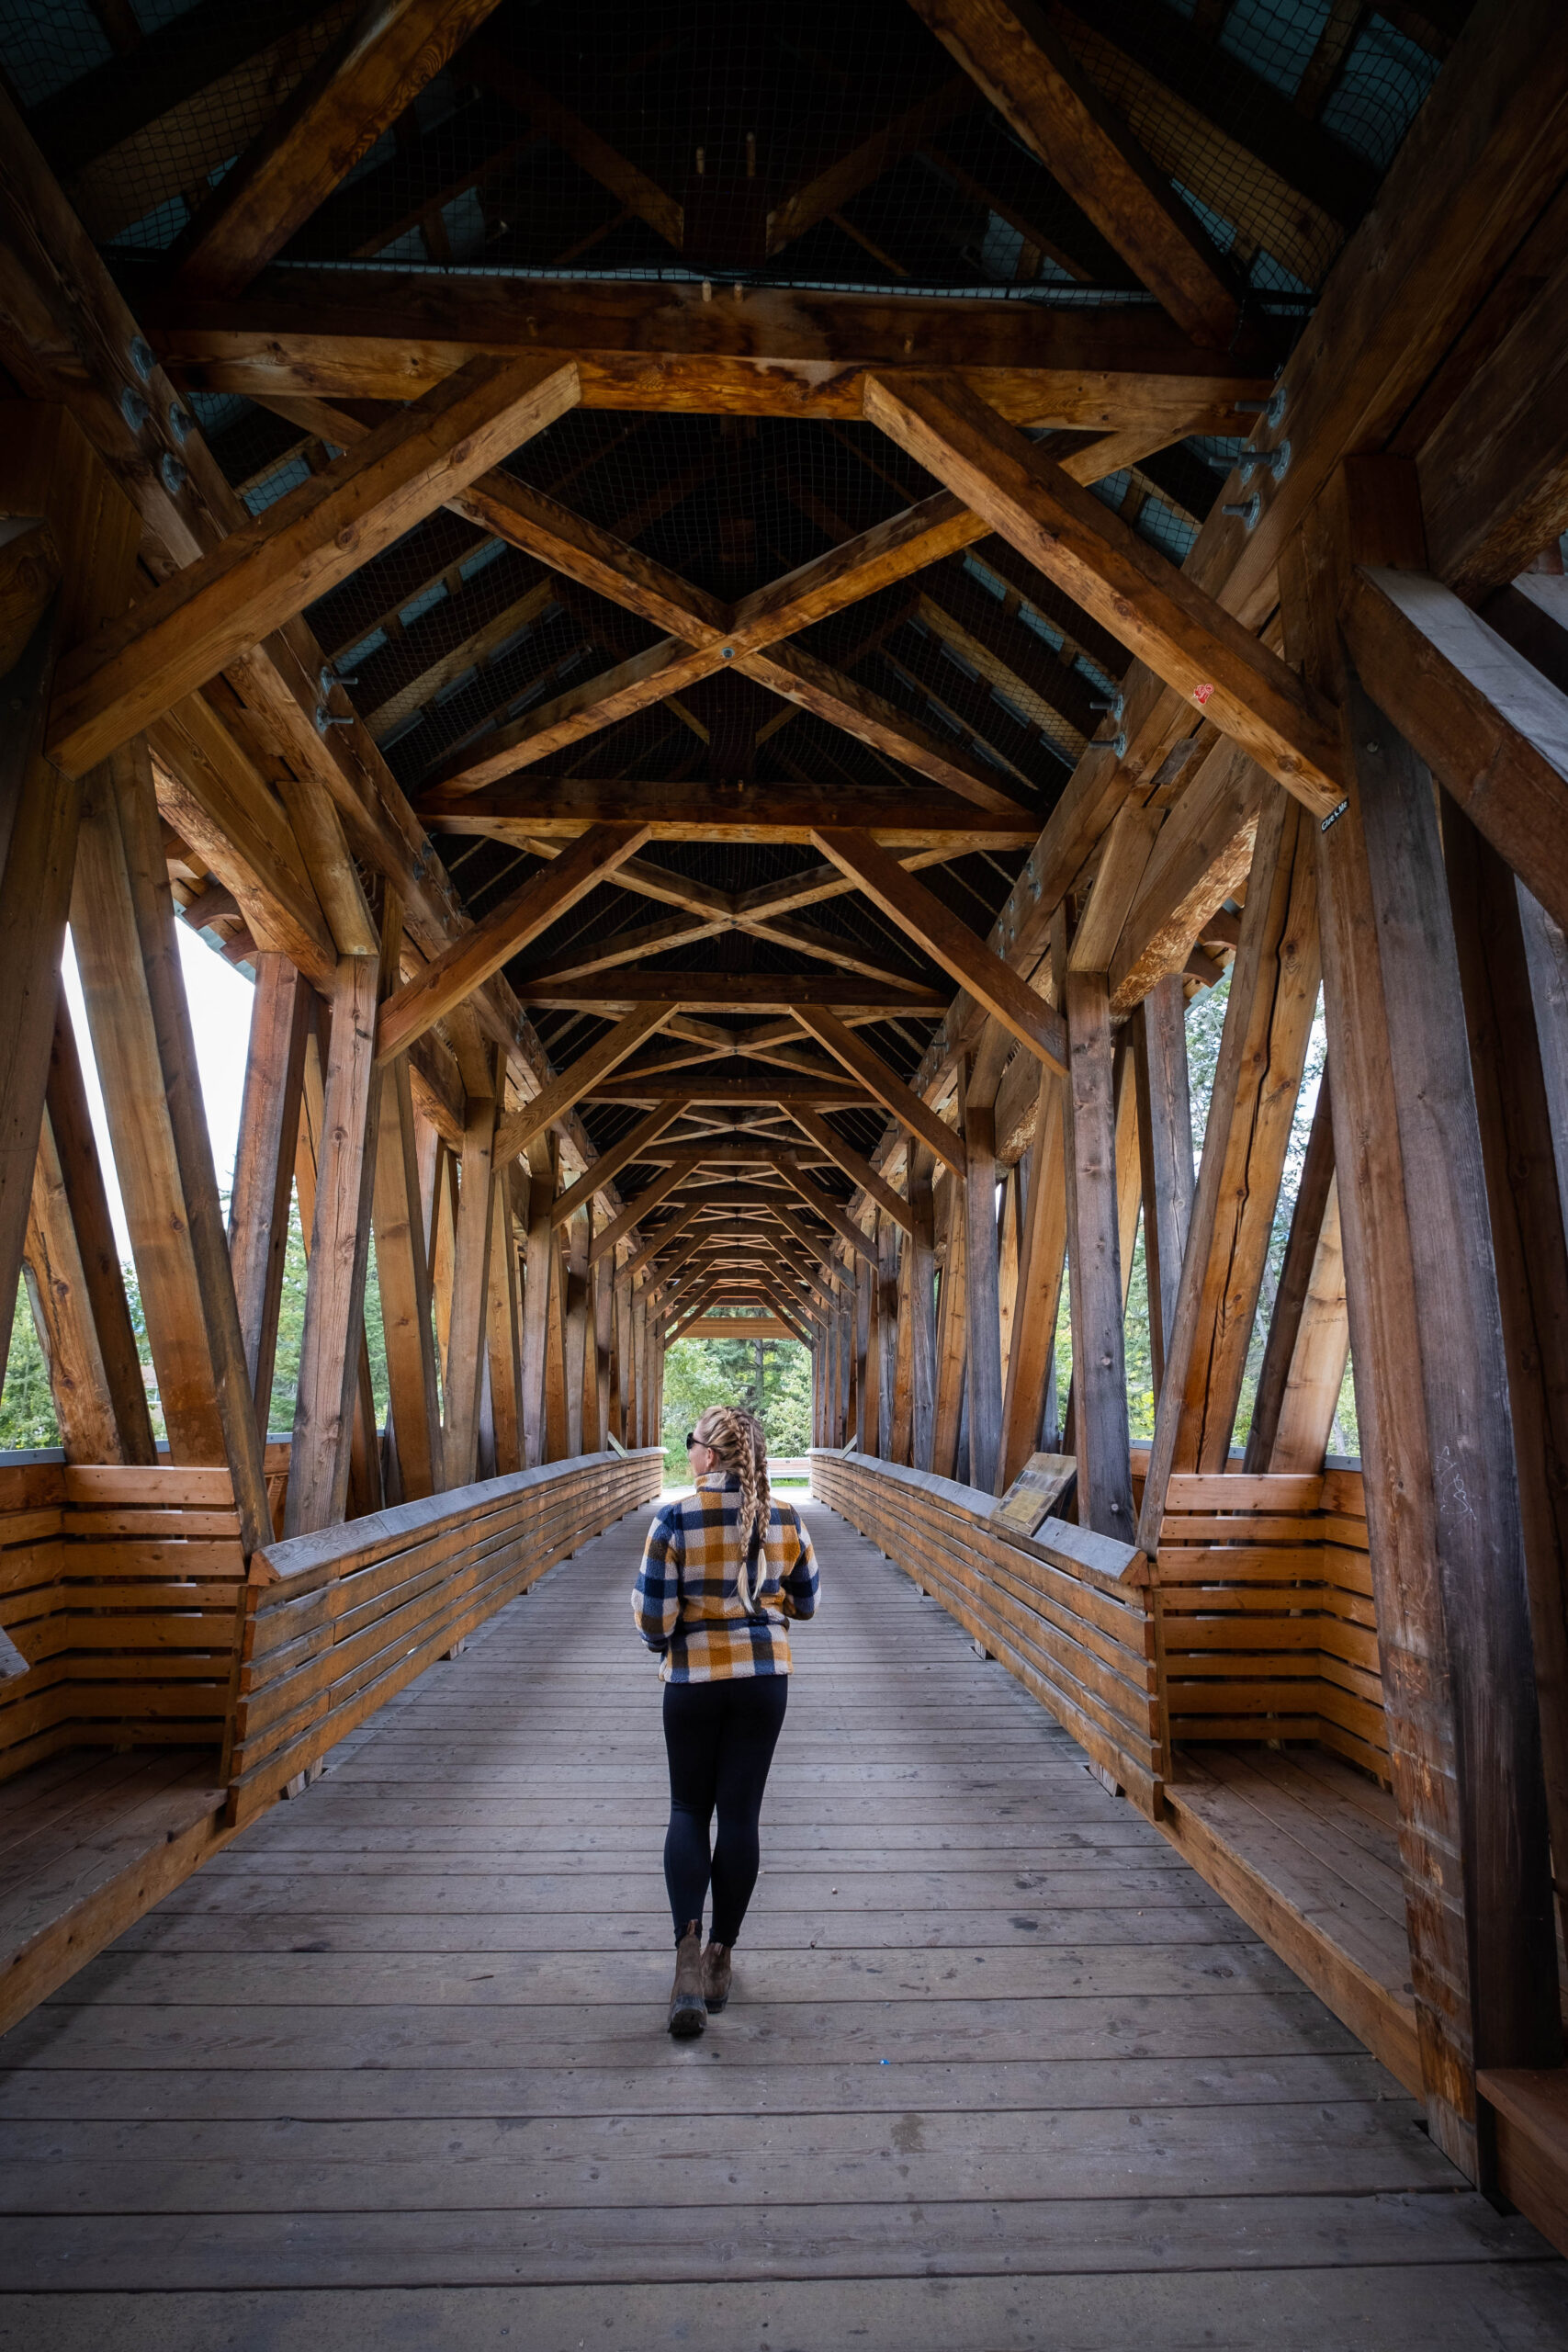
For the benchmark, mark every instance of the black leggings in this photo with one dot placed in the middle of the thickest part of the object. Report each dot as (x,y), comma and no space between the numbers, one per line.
(720,1738)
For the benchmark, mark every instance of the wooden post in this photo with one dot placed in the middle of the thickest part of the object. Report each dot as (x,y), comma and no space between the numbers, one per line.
(364,1451)
(1100,1382)
(1009,1250)
(620,1400)
(125,1049)
(339,1244)
(503,1332)
(470,1286)
(599,1384)
(864,1354)
(1309,1334)
(1273,997)
(887,1333)
(576,1331)
(1042,1256)
(920,1254)
(68,1134)
(558,1428)
(1262,1085)
(953,1324)
(1129,1158)
(128,959)
(1437,1446)
(47,469)
(1527,1217)
(444,1244)
(1165,1146)
(57,1287)
(402,1273)
(982,1307)
(538,1281)
(1443,1512)
(641,1321)
(264,1163)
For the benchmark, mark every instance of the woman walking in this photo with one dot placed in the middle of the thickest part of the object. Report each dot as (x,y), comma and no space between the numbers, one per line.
(721,1572)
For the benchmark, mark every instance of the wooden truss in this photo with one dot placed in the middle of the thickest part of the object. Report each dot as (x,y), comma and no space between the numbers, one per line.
(622,1007)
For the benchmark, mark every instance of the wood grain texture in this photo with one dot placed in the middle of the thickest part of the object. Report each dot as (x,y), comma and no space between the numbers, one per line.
(365,81)
(1015,55)
(1491,728)
(1309,1332)
(263,1164)
(1094,1258)
(265,572)
(941,933)
(1184,636)
(984,1940)
(340,1249)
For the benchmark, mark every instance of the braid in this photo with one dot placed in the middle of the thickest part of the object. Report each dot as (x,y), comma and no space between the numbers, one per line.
(737,1443)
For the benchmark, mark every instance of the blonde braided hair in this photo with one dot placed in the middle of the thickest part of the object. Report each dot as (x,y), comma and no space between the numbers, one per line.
(735,1439)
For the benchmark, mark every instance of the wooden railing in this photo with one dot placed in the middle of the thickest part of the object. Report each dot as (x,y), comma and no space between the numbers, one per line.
(335,1623)
(1267,1623)
(1254,1622)
(119,1587)
(1068,1612)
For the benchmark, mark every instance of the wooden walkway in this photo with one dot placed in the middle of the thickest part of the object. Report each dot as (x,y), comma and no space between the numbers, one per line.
(1000,2071)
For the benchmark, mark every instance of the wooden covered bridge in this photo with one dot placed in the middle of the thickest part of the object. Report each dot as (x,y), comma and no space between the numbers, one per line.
(744,618)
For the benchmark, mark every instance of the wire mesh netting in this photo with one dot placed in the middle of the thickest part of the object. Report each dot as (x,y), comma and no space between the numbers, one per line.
(805,147)
(812,145)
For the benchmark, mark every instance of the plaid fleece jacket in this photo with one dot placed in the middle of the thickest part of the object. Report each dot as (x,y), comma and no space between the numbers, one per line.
(686,1601)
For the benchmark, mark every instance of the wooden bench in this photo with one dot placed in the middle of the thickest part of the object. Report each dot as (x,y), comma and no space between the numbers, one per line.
(126,1595)
(1210,1684)
(119,1588)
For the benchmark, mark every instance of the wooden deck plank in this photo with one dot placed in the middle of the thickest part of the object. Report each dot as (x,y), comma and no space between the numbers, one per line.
(996,2057)
(1399,2308)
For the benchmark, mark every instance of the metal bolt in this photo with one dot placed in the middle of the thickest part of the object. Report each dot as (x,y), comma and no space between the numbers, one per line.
(1247,510)
(727,653)
(1278,461)
(1273,409)
(1117,706)
(134,409)
(174,473)
(182,424)
(142,356)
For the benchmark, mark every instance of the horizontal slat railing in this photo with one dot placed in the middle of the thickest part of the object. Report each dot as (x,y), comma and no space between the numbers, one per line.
(1267,1624)
(1068,1612)
(335,1623)
(119,1587)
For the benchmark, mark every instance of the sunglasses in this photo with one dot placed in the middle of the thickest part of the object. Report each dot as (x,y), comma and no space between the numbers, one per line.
(691,1439)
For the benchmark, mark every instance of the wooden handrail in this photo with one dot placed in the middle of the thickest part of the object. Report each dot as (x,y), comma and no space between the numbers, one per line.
(1254,1623)
(334,1624)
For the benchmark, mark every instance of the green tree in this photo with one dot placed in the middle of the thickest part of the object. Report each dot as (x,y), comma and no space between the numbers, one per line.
(768,1377)
(27,1409)
(291,1329)
(1205,1025)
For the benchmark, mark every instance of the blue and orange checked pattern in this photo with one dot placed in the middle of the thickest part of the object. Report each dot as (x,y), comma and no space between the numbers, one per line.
(686,1600)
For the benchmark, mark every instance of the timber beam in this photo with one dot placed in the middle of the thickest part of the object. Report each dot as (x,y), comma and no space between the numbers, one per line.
(389,334)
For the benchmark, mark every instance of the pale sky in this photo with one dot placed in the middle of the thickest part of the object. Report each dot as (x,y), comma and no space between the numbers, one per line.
(219,999)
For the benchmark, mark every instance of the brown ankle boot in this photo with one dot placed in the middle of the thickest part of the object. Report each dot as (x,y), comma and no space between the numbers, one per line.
(687,2014)
(716,1976)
